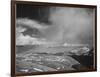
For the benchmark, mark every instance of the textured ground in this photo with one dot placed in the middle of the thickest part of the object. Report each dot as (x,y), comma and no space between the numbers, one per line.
(45,62)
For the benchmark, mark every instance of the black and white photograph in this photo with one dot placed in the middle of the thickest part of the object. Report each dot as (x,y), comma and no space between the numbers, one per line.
(54,38)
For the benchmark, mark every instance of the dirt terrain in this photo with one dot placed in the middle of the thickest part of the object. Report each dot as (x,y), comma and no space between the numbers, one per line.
(30,61)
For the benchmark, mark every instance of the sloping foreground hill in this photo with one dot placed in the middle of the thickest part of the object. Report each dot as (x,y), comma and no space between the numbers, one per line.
(52,59)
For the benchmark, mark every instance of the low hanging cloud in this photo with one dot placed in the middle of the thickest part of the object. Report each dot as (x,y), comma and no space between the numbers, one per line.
(22,24)
(25,22)
(27,40)
(69,25)
(76,24)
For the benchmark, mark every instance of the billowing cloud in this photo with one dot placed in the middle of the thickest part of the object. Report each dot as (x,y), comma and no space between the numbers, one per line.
(22,24)
(71,25)
(76,24)
(27,40)
(29,23)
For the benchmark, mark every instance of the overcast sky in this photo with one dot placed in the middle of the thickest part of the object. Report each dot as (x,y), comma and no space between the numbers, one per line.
(56,24)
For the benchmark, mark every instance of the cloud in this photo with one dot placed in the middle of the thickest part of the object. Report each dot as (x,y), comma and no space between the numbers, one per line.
(28,40)
(71,25)
(29,23)
(22,24)
(75,24)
